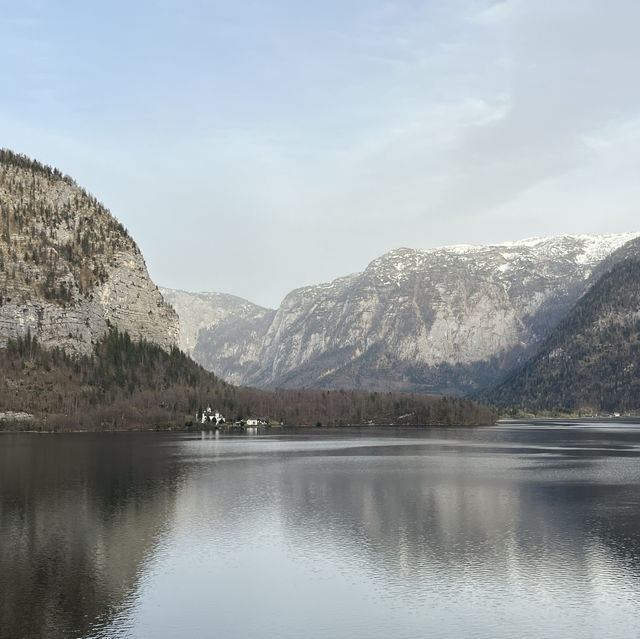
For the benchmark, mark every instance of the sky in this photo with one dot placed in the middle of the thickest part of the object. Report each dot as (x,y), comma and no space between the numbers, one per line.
(255,147)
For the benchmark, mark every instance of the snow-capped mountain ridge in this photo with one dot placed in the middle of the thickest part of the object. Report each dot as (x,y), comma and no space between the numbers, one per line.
(589,247)
(583,250)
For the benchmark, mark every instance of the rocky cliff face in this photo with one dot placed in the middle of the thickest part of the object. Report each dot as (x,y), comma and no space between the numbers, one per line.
(447,320)
(68,269)
(222,332)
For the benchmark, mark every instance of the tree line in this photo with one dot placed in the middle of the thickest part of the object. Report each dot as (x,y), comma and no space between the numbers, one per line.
(128,384)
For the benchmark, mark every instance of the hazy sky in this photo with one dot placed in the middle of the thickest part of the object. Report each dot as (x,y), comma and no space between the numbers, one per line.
(253,147)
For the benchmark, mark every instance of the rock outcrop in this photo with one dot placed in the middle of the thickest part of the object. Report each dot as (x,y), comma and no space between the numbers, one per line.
(68,269)
(448,320)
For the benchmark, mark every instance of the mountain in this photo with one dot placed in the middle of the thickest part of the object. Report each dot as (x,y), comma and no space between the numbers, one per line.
(88,342)
(68,269)
(448,320)
(591,361)
(221,332)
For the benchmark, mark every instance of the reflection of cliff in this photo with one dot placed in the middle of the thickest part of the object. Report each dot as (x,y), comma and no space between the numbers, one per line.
(474,518)
(471,531)
(79,515)
(448,514)
(486,518)
(264,536)
(496,514)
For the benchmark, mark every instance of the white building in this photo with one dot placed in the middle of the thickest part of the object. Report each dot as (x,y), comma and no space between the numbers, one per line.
(214,417)
(256,422)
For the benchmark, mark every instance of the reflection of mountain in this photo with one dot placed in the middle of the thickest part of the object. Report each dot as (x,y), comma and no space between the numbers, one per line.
(481,509)
(79,516)
(475,532)
(471,516)
(455,507)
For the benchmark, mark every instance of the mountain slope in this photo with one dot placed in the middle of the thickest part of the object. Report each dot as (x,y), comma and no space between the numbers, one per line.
(68,269)
(222,332)
(592,359)
(448,320)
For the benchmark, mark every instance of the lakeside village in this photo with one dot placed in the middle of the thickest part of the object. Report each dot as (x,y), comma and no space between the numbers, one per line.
(216,420)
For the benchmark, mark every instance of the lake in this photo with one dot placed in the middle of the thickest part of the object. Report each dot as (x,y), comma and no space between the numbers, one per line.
(525,529)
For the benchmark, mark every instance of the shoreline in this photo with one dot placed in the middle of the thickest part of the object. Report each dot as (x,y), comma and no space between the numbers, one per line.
(309,430)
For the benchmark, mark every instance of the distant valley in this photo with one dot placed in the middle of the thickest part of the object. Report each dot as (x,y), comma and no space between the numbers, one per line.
(450,321)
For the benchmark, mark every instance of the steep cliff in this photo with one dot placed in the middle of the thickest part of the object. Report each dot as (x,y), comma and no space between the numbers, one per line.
(68,269)
(448,320)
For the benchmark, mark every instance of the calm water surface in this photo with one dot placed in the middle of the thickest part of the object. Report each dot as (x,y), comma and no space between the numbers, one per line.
(520,530)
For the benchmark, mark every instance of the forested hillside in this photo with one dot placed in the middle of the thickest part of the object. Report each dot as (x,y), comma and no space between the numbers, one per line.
(136,384)
(591,361)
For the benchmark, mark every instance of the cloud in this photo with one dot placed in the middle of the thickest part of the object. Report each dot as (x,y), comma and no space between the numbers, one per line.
(556,88)
(330,133)
(493,12)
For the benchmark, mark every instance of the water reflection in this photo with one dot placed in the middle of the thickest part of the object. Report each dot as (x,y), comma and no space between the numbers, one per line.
(78,517)
(499,532)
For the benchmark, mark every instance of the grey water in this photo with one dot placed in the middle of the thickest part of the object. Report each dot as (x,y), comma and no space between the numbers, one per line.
(518,530)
